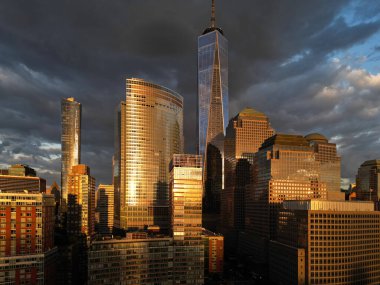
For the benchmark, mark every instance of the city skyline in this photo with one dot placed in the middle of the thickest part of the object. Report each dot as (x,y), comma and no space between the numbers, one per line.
(331,80)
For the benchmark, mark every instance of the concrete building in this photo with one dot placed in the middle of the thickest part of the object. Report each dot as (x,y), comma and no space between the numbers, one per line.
(326,242)
(27,238)
(81,201)
(186,190)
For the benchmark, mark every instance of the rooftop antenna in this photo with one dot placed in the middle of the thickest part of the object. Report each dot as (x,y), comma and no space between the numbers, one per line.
(213,14)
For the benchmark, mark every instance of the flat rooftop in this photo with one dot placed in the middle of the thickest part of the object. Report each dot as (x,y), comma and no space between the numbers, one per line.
(322,205)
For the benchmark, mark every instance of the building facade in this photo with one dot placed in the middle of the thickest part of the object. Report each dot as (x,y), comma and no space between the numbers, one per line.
(151,132)
(131,261)
(186,190)
(214,252)
(27,238)
(326,154)
(285,168)
(326,242)
(244,136)
(81,201)
(105,208)
(368,181)
(71,114)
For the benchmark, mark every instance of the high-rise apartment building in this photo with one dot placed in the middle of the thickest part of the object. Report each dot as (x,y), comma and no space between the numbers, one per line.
(151,131)
(80,201)
(27,238)
(326,242)
(71,112)
(326,154)
(186,190)
(368,181)
(285,169)
(212,109)
(131,261)
(244,136)
(105,208)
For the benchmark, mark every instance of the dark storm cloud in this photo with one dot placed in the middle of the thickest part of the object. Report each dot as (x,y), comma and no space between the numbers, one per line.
(279,52)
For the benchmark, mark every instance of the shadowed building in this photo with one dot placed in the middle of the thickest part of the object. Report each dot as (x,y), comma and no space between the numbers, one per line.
(71,112)
(285,168)
(186,218)
(105,208)
(244,136)
(326,242)
(212,108)
(327,155)
(151,131)
(368,181)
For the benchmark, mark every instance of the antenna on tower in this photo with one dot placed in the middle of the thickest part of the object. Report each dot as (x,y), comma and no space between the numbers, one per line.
(213,14)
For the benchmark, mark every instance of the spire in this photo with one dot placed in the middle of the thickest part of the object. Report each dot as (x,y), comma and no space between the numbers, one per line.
(213,14)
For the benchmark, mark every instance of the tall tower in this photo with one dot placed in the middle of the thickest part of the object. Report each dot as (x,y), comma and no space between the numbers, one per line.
(186,218)
(151,132)
(70,140)
(212,87)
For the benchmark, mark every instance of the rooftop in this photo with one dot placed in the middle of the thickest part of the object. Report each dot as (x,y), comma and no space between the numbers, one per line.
(323,205)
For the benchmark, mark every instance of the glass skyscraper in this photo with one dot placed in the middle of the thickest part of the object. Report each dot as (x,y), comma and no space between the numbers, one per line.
(70,140)
(212,87)
(151,131)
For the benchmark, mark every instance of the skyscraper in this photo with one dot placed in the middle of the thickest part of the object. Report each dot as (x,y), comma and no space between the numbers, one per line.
(151,131)
(186,218)
(81,201)
(212,114)
(244,136)
(70,140)
(285,168)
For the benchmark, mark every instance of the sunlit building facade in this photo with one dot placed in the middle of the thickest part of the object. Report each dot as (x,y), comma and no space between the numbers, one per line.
(27,238)
(71,114)
(285,169)
(151,131)
(105,208)
(214,252)
(81,201)
(326,242)
(186,190)
(326,154)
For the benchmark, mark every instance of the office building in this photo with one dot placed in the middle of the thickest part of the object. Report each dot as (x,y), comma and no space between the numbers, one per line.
(326,242)
(212,110)
(285,168)
(244,136)
(151,131)
(186,190)
(27,238)
(368,181)
(105,208)
(214,252)
(326,154)
(81,201)
(131,261)
(71,114)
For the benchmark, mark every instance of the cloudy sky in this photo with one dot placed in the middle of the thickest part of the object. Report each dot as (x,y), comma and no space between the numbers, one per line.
(311,66)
